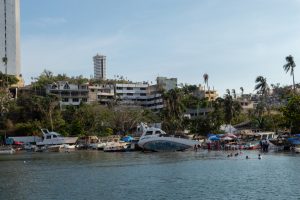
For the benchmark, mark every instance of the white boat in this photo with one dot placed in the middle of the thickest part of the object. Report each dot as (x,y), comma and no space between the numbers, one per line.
(53,138)
(7,150)
(297,149)
(29,147)
(155,139)
(116,147)
(67,148)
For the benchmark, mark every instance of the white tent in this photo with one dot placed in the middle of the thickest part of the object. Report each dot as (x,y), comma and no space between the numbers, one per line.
(227,128)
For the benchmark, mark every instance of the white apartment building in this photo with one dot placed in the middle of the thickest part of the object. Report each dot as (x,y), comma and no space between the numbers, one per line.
(70,94)
(99,67)
(101,93)
(132,94)
(10,37)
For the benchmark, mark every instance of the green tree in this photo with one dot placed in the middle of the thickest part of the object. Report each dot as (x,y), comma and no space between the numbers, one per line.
(292,113)
(231,108)
(7,80)
(173,112)
(47,106)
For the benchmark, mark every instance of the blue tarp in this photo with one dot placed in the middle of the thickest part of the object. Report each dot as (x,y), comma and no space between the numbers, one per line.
(127,139)
(297,135)
(214,138)
(210,134)
(294,141)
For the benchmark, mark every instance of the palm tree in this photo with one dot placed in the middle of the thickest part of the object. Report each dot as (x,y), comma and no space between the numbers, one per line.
(289,66)
(228,92)
(205,77)
(262,86)
(242,90)
(233,93)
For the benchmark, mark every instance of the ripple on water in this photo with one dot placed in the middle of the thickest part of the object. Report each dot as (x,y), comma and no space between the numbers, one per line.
(136,175)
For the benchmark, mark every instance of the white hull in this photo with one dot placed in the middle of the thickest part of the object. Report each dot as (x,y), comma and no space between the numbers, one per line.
(7,151)
(115,146)
(166,143)
(58,141)
(297,149)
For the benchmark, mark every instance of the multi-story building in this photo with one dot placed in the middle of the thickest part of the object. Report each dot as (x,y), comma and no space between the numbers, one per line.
(10,37)
(132,94)
(166,83)
(210,95)
(99,67)
(70,94)
(101,93)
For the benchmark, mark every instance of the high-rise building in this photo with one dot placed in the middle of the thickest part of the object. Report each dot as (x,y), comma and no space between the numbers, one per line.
(10,37)
(99,67)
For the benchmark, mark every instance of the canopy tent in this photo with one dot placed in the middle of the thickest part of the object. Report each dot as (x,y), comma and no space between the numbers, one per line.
(227,128)
(231,135)
(227,138)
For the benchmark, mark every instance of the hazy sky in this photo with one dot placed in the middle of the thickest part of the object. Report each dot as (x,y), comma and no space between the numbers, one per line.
(233,41)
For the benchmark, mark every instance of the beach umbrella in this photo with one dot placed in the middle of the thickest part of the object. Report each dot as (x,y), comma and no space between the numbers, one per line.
(230,135)
(227,138)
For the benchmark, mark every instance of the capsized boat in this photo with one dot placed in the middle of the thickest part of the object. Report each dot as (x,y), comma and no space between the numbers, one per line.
(155,139)
(53,138)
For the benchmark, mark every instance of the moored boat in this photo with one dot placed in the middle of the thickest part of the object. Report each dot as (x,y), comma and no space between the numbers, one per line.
(53,138)
(7,150)
(117,147)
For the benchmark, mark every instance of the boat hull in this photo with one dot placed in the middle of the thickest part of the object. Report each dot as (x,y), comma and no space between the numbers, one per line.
(7,151)
(166,144)
(58,141)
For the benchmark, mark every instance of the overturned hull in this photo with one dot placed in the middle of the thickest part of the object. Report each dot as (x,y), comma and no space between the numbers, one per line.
(166,144)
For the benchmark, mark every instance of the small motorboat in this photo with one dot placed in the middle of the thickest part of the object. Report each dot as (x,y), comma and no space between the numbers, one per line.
(117,147)
(7,150)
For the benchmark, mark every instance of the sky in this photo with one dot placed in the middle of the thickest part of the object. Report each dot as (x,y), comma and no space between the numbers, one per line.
(232,41)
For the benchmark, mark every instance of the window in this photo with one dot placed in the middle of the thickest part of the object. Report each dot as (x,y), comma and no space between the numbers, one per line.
(54,136)
(84,99)
(48,137)
(157,132)
(129,94)
(75,100)
(129,88)
(66,87)
(142,88)
(119,88)
(149,133)
(142,94)
(65,100)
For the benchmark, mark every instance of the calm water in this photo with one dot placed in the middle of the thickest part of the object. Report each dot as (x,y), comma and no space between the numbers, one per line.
(181,175)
